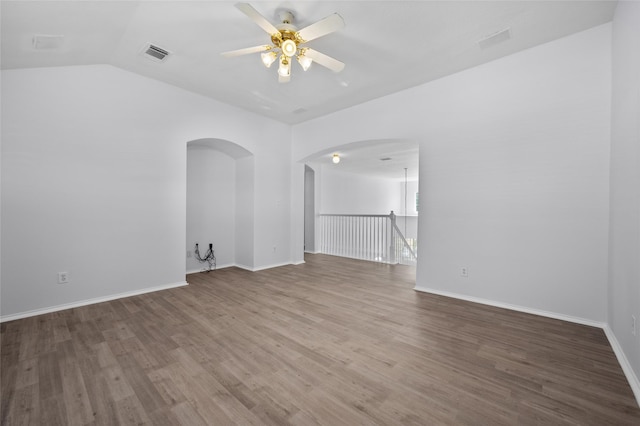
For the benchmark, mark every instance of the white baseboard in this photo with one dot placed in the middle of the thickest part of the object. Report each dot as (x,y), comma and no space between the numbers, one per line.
(275,265)
(245,267)
(617,349)
(86,302)
(577,320)
(249,268)
(197,271)
(624,362)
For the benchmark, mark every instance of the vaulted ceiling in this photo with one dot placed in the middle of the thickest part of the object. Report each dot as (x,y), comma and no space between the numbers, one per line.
(387,46)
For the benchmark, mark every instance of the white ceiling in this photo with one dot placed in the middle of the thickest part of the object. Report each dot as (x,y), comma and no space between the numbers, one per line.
(385,158)
(387,46)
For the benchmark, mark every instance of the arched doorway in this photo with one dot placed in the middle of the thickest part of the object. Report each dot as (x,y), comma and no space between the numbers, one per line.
(353,199)
(219,202)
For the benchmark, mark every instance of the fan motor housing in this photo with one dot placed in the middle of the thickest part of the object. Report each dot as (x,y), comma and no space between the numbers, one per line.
(285,34)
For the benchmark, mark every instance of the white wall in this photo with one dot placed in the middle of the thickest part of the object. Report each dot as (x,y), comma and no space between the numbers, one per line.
(309,210)
(624,241)
(245,208)
(211,205)
(513,174)
(94,183)
(349,193)
(408,208)
(407,214)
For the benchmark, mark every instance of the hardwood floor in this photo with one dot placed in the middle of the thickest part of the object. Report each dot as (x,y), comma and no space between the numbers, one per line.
(331,342)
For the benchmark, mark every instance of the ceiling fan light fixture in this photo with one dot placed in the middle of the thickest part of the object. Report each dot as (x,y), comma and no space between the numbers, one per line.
(285,41)
(268,58)
(289,48)
(304,62)
(282,79)
(284,70)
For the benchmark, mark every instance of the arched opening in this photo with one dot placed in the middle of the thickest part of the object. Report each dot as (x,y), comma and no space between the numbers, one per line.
(219,203)
(353,200)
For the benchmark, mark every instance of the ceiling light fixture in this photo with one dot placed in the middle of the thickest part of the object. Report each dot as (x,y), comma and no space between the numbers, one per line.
(269,58)
(288,42)
(335,158)
(304,62)
(289,47)
(284,70)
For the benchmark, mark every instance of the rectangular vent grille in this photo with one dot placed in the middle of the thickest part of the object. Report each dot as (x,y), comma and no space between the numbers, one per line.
(495,38)
(156,53)
(47,42)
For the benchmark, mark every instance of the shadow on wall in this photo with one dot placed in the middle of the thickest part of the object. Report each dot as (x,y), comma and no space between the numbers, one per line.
(220,194)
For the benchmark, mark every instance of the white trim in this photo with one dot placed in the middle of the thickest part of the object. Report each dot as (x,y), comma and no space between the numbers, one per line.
(249,268)
(634,383)
(86,302)
(245,267)
(197,271)
(261,268)
(275,265)
(577,320)
(624,362)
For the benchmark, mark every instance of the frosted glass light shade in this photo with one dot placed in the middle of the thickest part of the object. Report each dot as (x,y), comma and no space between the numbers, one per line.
(285,67)
(268,58)
(304,62)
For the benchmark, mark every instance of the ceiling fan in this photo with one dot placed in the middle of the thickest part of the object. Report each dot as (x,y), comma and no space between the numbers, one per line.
(288,42)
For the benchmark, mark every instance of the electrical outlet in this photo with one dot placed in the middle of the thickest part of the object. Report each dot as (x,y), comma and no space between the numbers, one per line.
(63,277)
(188,254)
(464,271)
(634,329)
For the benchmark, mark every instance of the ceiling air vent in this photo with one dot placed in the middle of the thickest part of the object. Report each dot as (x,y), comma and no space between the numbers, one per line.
(495,38)
(47,42)
(155,53)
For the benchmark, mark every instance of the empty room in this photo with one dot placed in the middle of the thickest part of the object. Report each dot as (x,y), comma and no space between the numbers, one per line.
(320,212)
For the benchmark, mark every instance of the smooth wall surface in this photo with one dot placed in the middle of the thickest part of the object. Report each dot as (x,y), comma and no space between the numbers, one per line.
(211,205)
(514,173)
(94,183)
(624,242)
(348,193)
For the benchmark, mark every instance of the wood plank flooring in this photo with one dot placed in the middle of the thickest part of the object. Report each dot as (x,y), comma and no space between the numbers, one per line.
(331,342)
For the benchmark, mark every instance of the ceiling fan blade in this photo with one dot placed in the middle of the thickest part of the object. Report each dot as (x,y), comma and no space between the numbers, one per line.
(323,27)
(324,60)
(256,17)
(245,51)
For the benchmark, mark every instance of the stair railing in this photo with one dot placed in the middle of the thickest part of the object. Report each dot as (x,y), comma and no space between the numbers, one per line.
(367,237)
